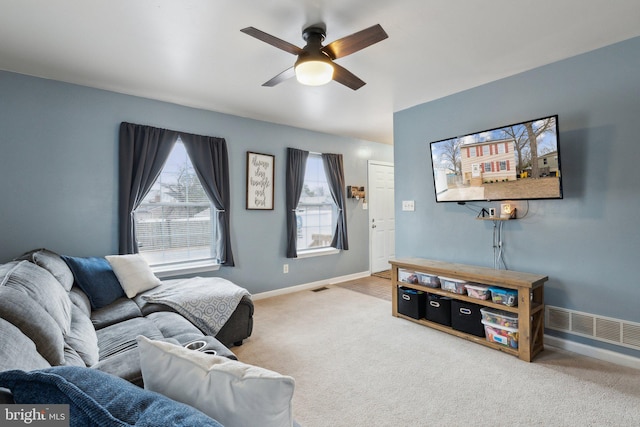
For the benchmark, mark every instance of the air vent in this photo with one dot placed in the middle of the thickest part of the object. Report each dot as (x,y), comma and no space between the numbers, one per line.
(631,335)
(324,288)
(607,329)
(558,319)
(582,324)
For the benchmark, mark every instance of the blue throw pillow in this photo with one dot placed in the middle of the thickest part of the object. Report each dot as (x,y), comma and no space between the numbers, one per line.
(96,278)
(96,398)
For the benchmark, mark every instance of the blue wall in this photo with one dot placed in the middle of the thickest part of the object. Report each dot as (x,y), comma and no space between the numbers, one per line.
(58,178)
(589,242)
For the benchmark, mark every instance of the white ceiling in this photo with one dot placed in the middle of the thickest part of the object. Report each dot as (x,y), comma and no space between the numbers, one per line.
(191,52)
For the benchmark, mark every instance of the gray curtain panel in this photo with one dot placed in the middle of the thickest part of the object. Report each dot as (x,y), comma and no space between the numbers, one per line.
(142,154)
(333,168)
(211,161)
(296,166)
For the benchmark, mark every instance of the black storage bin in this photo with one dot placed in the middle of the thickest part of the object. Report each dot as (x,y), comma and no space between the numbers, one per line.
(438,309)
(411,302)
(466,317)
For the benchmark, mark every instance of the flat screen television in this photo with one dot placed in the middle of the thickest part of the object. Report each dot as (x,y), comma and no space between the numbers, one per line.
(515,162)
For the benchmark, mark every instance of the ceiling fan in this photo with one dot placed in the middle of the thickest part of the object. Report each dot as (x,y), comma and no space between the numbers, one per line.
(315,65)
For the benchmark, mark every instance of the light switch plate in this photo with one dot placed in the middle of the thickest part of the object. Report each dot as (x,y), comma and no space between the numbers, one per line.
(408,205)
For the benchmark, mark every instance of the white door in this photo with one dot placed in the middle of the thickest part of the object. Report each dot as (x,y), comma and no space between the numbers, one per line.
(382,221)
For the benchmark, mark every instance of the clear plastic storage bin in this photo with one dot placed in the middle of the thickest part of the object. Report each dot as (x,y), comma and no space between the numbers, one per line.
(503,335)
(456,286)
(428,280)
(407,276)
(478,291)
(504,296)
(499,317)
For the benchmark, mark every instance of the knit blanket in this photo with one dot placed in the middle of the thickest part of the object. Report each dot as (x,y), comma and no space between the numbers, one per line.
(207,302)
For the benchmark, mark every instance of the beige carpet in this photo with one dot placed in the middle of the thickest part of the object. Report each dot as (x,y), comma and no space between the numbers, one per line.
(356,365)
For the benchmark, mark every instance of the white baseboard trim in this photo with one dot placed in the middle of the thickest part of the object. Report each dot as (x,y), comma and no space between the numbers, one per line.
(596,353)
(312,285)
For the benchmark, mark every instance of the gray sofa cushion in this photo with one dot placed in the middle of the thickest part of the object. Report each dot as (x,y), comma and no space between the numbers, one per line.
(79,298)
(33,321)
(119,310)
(21,353)
(124,365)
(172,325)
(83,338)
(121,336)
(53,263)
(71,357)
(42,287)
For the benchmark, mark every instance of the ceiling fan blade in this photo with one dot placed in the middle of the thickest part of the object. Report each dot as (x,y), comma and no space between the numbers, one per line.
(285,75)
(273,41)
(346,77)
(355,42)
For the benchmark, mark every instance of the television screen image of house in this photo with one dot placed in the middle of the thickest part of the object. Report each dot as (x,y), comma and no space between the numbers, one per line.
(515,162)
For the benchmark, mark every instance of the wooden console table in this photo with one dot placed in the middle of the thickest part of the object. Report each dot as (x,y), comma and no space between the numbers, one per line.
(530,308)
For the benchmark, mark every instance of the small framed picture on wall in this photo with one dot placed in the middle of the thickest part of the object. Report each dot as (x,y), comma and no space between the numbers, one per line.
(260,177)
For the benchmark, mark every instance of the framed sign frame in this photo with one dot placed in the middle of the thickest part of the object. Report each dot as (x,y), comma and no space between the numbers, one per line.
(260,179)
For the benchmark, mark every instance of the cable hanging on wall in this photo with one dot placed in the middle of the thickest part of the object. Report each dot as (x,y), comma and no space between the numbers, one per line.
(507,212)
(498,254)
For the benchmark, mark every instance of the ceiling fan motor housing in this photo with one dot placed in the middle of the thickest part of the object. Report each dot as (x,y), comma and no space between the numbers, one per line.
(314,36)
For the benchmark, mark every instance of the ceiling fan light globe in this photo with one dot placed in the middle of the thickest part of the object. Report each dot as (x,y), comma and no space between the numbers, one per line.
(314,73)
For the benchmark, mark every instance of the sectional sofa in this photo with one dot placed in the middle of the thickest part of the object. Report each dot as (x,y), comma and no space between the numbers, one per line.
(47,320)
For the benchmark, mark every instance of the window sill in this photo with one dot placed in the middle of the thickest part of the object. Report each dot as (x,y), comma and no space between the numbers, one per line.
(308,253)
(182,269)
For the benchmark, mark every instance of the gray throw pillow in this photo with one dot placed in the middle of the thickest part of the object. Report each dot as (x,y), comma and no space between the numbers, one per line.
(42,287)
(28,316)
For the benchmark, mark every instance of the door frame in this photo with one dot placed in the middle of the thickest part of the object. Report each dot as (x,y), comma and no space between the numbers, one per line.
(369,164)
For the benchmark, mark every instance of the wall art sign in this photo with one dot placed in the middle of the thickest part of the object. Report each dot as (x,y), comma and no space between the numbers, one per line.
(260,176)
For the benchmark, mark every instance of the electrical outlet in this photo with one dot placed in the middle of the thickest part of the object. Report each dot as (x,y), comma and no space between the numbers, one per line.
(408,205)
(285,268)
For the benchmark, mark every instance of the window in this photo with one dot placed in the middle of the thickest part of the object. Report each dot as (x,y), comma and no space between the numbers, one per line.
(502,148)
(485,150)
(503,165)
(174,222)
(487,167)
(316,211)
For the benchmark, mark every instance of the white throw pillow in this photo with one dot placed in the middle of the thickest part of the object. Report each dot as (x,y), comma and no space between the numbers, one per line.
(233,393)
(133,272)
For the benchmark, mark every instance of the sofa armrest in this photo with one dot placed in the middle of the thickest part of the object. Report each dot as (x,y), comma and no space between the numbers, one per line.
(239,326)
